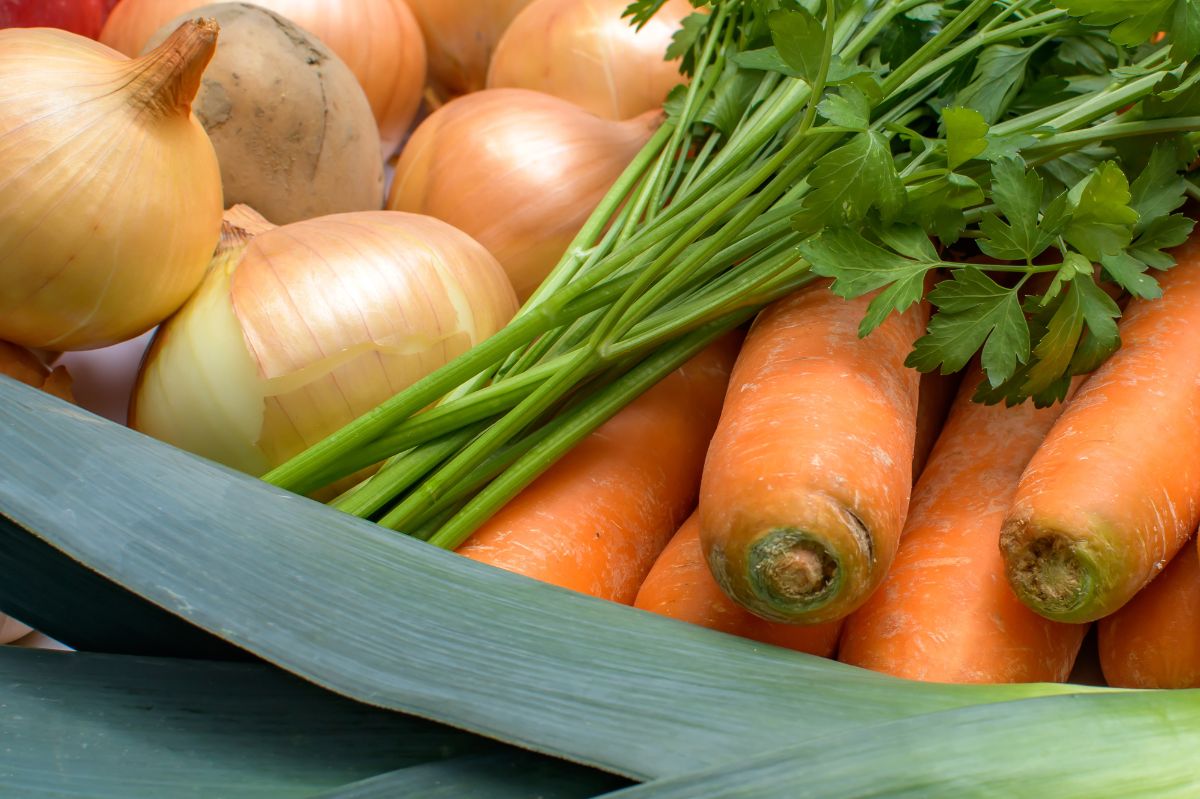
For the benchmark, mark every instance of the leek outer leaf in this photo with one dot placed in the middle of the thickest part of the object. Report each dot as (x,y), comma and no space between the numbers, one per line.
(83,724)
(509,774)
(394,622)
(1128,745)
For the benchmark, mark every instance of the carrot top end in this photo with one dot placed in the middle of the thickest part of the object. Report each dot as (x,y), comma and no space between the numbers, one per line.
(786,575)
(1054,575)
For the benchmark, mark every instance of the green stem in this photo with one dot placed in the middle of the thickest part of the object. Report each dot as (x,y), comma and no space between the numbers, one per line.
(569,428)
(447,480)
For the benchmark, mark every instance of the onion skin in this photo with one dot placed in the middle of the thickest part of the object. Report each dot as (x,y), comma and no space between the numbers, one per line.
(22,365)
(585,52)
(110,193)
(379,40)
(519,171)
(309,325)
(460,36)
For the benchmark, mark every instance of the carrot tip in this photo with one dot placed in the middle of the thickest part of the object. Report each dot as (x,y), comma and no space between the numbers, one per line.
(1050,574)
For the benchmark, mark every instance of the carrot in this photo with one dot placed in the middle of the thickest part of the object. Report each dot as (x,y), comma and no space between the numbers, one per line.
(809,473)
(933,403)
(681,586)
(945,612)
(1114,491)
(597,519)
(1154,640)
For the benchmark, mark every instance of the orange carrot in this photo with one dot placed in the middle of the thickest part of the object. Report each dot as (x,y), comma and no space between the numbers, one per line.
(945,612)
(1154,640)
(933,403)
(808,477)
(1114,491)
(597,519)
(681,586)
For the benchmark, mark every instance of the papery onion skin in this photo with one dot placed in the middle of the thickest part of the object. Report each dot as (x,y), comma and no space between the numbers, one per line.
(110,193)
(312,325)
(460,36)
(291,126)
(517,170)
(379,40)
(585,52)
(22,365)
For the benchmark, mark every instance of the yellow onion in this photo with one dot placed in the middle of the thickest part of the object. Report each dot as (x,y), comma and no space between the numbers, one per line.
(519,171)
(585,52)
(110,193)
(379,41)
(300,329)
(460,36)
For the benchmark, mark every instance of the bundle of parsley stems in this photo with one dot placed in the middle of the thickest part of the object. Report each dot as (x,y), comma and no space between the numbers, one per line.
(839,140)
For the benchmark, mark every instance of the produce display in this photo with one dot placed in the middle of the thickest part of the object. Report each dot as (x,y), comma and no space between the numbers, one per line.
(680,385)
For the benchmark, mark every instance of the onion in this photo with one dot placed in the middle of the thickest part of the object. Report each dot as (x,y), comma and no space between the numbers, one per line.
(583,51)
(379,41)
(110,193)
(460,36)
(309,325)
(519,171)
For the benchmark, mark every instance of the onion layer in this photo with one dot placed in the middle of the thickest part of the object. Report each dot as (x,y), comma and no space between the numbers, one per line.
(110,193)
(585,52)
(517,170)
(460,36)
(310,325)
(379,41)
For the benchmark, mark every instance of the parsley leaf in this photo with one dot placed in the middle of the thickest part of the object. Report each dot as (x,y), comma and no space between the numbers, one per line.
(973,310)
(1129,273)
(1055,348)
(858,266)
(1137,21)
(769,59)
(686,39)
(938,205)
(1099,313)
(1101,220)
(966,132)
(1159,189)
(850,108)
(799,38)
(1027,233)
(848,182)
(998,76)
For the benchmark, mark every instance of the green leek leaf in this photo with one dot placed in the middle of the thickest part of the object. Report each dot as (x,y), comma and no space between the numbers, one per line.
(396,623)
(82,724)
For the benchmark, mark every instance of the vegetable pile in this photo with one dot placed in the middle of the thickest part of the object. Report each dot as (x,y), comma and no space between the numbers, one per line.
(833,325)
